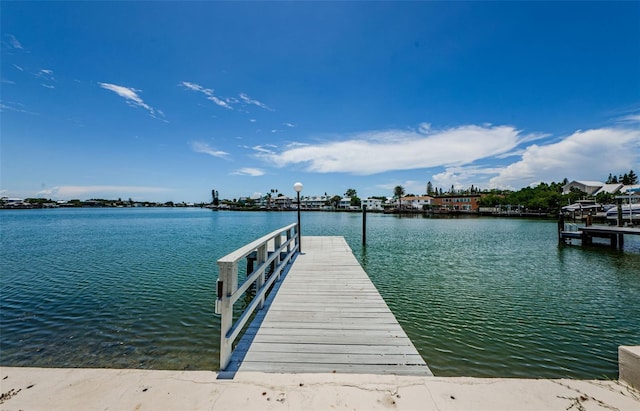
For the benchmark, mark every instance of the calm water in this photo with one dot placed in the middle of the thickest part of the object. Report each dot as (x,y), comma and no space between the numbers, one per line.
(135,288)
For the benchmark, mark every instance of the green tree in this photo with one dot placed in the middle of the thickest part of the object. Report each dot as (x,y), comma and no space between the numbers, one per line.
(429,188)
(633,178)
(398,192)
(350,193)
(335,201)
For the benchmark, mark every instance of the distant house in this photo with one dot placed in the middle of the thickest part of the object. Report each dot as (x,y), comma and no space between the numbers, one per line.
(373,204)
(345,203)
(315,202)
(458,202)
(416,202)
(589,187)
(282,202)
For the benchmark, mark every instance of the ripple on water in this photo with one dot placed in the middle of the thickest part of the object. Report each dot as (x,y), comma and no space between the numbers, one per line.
(479,297)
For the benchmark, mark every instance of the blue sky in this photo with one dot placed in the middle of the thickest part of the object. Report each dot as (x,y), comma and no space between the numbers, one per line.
(163,101)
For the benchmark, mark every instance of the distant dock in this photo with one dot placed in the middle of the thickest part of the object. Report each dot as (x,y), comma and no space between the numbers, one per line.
(586,234)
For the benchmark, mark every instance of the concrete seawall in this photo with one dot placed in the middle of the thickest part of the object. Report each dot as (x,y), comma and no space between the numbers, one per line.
(109,389)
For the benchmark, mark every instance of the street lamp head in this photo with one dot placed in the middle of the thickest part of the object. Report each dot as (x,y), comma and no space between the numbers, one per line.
(297,187)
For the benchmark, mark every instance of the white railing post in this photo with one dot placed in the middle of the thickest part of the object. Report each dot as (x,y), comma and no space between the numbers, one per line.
(262,258)
(277,243)
(227,285)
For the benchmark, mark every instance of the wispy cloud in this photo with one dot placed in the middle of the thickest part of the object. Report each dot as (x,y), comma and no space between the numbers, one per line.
(380,151)
(132,98)
(630,118)
(17,67)
(95,191)
(226,102)
(289,125)
(45,75)
(208,92)
(17,107)
(254,102)
(12,42)
(248,171)
(200,147)
(267,149)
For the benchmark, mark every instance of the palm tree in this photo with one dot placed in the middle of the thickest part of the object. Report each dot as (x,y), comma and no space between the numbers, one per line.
(398,192)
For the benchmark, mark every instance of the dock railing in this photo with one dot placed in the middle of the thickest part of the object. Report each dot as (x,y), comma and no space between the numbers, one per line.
(271,254)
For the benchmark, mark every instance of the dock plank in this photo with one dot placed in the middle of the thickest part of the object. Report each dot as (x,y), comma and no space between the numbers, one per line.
(327,316)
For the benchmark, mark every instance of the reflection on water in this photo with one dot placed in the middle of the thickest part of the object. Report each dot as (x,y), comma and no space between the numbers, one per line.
(135,288)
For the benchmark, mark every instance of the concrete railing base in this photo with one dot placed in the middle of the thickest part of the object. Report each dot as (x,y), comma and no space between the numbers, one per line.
(629,365)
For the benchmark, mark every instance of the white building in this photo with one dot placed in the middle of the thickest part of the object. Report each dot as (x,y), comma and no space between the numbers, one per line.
(416,202)
(345,203)
(373,204)
(315,202)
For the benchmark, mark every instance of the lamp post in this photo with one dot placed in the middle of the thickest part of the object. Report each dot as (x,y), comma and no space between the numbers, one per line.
(298,188)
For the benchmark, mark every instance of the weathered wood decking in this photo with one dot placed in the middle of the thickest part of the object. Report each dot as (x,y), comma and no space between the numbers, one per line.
(327,316)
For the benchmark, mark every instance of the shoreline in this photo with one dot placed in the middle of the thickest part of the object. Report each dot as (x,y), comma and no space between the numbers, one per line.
(104,389)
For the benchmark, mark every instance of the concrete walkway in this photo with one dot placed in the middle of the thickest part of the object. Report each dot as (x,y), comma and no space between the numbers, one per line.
(107,389)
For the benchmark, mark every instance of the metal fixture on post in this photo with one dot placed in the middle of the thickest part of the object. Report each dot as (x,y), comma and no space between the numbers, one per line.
(298,187)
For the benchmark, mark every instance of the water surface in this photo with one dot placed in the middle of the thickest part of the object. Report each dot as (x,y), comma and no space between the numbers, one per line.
(135,288)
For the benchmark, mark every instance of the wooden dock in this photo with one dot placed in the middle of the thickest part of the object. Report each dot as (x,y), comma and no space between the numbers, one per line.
(615,235)
(326,316)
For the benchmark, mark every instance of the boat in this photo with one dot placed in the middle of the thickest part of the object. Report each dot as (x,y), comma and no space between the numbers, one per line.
(630,212)
(583,206)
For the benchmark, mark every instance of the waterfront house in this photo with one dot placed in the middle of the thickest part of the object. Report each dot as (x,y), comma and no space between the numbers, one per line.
(373,204)
(417,202)
(317,202)
(466,203)
(345,203)
(282,202)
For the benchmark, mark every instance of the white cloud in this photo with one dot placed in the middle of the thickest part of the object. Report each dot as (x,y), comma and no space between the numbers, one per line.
(289,125)
(45,74)
(631,118)
(47,85)
(17,107)
(132,98)
(424,128)
(208,92)
(253,120)
(200,147)
(587,155)
(263,150)
(12,42)
(249,100)
(96,191)
(379,151)
(18,67)
(248,171)
(463,177)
